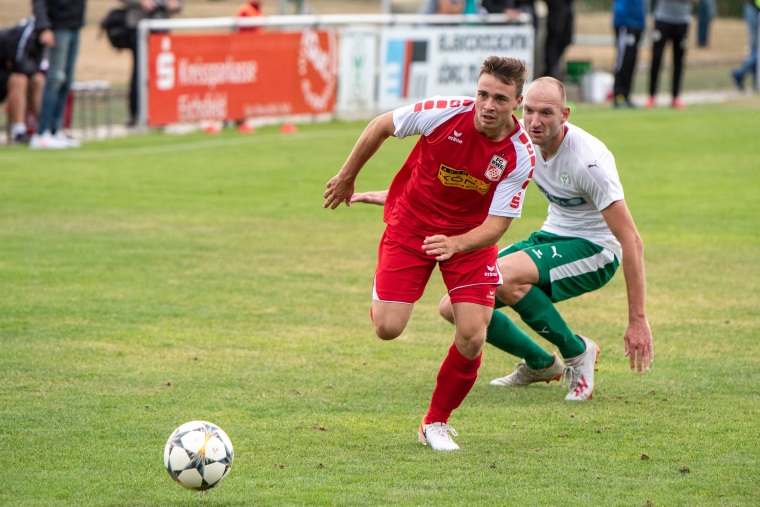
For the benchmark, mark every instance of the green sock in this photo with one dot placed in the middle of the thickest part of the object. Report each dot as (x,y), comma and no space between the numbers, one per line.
(537,310)
(505,335)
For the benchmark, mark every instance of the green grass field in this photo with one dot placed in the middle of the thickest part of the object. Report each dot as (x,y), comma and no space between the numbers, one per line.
(154,280)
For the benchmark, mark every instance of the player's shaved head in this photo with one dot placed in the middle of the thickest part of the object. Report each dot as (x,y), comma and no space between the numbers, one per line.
(547,89)
(544,113)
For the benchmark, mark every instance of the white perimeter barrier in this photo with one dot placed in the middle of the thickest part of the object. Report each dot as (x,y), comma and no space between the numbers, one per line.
(311,67)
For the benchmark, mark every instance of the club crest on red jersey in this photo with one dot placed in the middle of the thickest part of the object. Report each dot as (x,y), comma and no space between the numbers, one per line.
(496,168)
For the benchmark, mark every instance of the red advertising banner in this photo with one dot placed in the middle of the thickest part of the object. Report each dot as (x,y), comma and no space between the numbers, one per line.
(234,76)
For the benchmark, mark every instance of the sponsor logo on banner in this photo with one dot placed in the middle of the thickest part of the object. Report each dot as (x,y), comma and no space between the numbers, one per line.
(165,65)
(317,70)
(427,61)
(240,75)
(461,179)
(496,168)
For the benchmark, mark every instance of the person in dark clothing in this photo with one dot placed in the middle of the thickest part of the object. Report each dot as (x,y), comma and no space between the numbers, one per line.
(59,22)
(707,10)
(671,24)
(510,8)
(629,19)
(137,10)
(560,20)
(751,10)
(21,80)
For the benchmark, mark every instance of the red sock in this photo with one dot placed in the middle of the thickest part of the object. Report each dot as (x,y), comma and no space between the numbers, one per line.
(455,379)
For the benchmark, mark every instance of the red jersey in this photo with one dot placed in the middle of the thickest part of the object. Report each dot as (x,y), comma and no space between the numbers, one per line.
(455,176)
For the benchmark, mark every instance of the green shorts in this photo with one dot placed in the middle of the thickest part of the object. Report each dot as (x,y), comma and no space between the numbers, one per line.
(567,267)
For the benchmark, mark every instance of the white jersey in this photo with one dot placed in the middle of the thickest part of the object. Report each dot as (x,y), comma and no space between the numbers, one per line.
(579,181)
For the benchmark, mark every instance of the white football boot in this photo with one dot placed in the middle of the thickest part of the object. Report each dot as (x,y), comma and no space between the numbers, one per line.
(579,372)
(525,376)
(438,436)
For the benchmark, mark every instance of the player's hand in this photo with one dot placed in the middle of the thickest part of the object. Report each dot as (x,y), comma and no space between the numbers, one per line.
(338,190)
(443,247)
(638,345)
(370,197)
(47,38)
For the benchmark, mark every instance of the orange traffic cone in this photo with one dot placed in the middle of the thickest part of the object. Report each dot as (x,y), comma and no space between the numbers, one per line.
(212,128)
(244,128)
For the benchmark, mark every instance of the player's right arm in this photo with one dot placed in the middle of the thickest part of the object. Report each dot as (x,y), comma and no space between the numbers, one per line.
(638,335)
(341,187)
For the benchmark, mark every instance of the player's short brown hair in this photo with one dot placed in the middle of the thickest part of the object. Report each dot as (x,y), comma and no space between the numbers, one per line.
(507,70)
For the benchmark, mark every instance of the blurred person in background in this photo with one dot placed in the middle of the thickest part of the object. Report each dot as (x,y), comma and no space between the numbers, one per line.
(629,19)
(512,9)
(706,12)
(21,78)
(751,10)
(137,10)
(59,24)
(249,9)
(671,23)
(442,7)
(560,24)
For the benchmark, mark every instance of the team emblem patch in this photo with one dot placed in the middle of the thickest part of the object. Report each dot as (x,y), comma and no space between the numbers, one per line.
(496,168)
(564,179)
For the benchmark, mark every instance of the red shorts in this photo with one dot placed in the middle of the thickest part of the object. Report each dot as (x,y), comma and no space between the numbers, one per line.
(403,270)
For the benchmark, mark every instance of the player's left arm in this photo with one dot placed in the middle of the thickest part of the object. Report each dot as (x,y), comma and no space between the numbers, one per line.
(486,234)
(638,336)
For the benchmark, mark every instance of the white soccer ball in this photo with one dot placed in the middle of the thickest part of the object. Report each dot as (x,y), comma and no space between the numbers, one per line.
(198,455)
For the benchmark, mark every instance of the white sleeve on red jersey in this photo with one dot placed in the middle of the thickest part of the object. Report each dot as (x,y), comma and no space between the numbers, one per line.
(422,117)
(510,192)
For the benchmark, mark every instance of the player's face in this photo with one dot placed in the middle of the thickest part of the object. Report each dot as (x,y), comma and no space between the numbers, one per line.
(494,106)
(544,115)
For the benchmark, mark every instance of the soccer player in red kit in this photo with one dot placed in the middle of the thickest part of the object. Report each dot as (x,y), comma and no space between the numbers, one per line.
(450,203)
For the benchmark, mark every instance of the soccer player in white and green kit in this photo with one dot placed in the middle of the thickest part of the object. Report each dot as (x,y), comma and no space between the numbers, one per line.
(586,235)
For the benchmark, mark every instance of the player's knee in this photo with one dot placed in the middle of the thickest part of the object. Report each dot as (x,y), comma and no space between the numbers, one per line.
(387,331)
(445,309)
(509,293)
(512,290)
(470,344)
